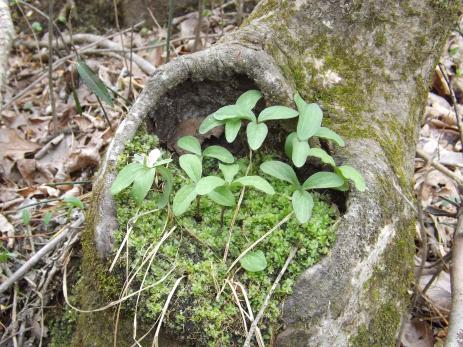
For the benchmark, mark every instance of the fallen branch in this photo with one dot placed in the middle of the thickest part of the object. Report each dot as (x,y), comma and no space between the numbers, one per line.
(259,316)
(24,269)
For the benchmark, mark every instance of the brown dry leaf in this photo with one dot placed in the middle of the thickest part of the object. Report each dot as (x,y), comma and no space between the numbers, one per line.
(439,83)
(27,169)
(13,145)
(417,334)
(437,184)
(439,292)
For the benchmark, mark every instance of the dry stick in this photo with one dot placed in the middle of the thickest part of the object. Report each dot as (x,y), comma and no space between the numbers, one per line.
(21,272)
(279,224)
(164,310)
(259,316)
(455,332)
(50,64)
(169,29)
(438,166)
(198,25)
(105,114)
(237,301)
(116,15)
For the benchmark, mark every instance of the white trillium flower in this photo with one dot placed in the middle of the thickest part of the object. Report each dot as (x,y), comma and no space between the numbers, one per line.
(153,157)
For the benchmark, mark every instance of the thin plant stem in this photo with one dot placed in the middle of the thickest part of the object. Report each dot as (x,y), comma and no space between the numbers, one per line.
(105,114)
(198,26)
(222,212)
(50,65)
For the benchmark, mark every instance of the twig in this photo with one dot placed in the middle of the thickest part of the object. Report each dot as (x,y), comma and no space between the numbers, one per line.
(164,310)
(198,25)
(50,65)
(22,271)
(259,316)
(439,167)
(279,224)
(455,332)
(105,114)
(169,29)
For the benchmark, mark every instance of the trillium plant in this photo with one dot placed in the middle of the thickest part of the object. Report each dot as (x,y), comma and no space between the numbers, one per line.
(221,185)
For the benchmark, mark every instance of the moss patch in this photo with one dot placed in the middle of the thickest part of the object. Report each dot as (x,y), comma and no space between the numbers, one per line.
(203,310)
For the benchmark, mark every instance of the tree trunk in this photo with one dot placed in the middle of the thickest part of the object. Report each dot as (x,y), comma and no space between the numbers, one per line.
(6,39)
(368,64)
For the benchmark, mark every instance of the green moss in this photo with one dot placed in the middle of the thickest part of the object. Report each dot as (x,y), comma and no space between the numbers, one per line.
(62,328)
(197,312)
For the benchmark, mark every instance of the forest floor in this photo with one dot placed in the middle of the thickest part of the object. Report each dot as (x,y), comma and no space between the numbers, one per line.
(49,156)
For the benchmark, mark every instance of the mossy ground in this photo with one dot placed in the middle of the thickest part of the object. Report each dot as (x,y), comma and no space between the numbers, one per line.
(195,248)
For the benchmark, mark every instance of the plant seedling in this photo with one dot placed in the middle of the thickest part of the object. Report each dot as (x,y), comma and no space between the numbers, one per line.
(254,261)
(191,144)
(309,125)
(302,200)
(141,173)
(232,116)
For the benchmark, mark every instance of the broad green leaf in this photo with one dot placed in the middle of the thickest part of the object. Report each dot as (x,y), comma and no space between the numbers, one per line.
(289,144)
(309,122)
(125,177)
(329,134)
(93,82)
(232,127)
(220,153)
(302,203)
(142,184)
(228,112)
(352,174)
(162,162)
(222,196)
(280,170)
(167,189)
(321,180)
(300,103)
(47,218)
(72,201)
(249,99)
(300,149)
(256,133)
(277,112)
(183,199)
(192,166)
(322,155)
(257,183)
(208,124)
(254,261)
(207,184)
(190,144)
(229,171)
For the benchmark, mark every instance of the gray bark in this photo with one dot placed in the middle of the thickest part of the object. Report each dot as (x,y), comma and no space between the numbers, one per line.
(368,64)
(6,40)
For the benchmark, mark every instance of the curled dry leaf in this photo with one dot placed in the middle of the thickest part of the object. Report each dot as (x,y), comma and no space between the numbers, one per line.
(7,229)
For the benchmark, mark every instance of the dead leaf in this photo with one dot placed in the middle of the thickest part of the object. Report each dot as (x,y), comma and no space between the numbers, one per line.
(13,145)
(439,292)
(417,334)
(7,229)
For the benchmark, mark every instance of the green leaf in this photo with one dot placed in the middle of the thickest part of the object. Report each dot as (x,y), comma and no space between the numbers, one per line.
(254,261)
(277,112)
(256,133)
(162,162)
(168,184)
(249,99)
(228,112)
(229,171)
(72,201)
(47,218)
(302,203)
(77,102)
(257,183)
(310,120)
(300,103)
(4,255)
(183,199)
(142,184)
(329,134)
(280,170)
(192,166)
(289,144)
(26,216)
(208,124)
(352,174)
(190,144)
(125,177)
(322,180)
(220,153)
(93,82)
(222,196)
(207,184)
(232,127)
(322,155)
(37,27)
(300,149)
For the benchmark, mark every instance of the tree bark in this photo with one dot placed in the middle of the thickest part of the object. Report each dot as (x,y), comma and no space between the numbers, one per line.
(6,40)
(368,64)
